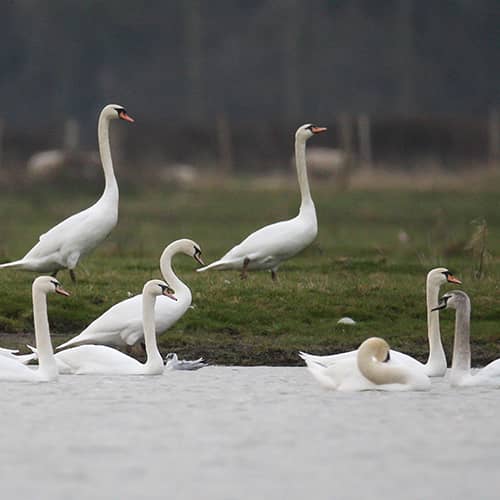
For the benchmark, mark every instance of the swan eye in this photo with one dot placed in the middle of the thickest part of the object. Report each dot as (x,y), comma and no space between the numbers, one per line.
(55,283)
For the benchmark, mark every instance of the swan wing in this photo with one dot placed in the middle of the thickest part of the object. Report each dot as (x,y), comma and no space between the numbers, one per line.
(98,359)
(13,370)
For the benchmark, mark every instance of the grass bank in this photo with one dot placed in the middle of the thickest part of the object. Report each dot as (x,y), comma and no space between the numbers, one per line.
(369,262)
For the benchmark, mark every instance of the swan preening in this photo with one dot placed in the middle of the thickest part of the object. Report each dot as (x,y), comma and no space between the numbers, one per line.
(104,360)
(269,246)
(14,369)
(66,243)
(436,363)
(121,324)
(371,369)
(460,373)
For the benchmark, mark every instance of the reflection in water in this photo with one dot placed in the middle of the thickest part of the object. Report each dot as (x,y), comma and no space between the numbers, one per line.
(238,433)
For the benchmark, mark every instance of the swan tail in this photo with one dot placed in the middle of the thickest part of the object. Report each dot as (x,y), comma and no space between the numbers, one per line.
(218,264)
(15,263)
(69,343)
(317,370)
(26,358)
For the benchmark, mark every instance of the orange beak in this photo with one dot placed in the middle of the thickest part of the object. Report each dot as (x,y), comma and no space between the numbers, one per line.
(452,279)
(60,290)
(318,130)
(123,115)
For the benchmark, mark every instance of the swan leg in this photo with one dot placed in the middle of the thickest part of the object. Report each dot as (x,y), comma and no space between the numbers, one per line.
(73,276)
(274,274)
(244,271)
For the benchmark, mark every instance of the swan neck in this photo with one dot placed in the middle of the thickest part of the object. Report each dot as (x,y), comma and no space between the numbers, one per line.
(46,361)
(111,186)
(437,356)
(461,341)
(168,273)
(154,361)
(300,162)
(377,372)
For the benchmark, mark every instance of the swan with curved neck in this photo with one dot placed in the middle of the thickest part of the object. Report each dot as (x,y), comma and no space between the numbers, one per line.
(460,373)
(268,247)
(121,325)
(104,360)
(66,243)
(15,370)
(436,363)
(372,369)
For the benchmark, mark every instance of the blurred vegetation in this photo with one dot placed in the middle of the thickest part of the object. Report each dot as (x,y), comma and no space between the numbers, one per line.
(369,262)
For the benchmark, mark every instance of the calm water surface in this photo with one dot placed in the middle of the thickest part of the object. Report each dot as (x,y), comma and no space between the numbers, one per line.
(244,433)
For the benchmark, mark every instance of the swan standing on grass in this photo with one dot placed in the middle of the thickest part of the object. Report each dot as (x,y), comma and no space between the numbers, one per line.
(121,325)
(62,246)
(15,370)
(104,360)
(268,247)
(436,363)
(460,373)
(371,369)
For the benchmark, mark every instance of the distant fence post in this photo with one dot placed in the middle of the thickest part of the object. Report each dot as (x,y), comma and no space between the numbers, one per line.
(224,143)
(494,138)
(365,141)
(346,144)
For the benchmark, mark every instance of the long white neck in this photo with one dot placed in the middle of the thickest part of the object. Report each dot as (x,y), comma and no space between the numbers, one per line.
(154,361)
(377,372)
(180,288)
(47,366)
(111,187)
(306,202)
(460,364)
(436,363)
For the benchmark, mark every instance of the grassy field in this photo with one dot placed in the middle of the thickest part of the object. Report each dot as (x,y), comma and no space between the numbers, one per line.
(360,266)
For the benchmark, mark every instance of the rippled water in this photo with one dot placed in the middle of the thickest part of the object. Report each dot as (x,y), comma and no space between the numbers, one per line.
(244,433)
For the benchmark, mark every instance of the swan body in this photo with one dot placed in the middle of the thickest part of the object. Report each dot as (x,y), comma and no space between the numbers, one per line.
(269,246)
(121,324)
(104,360)
(62,246)
(436,364)
(460,373)
(172,362)
(13,369)
(371,369)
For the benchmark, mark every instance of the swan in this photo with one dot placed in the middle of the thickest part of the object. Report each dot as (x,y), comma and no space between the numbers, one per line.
(436,363)
(172,362)
(269,246)
(14,370)
(62,246)
(121,325)
(460,373)
(104,360)
(371,369)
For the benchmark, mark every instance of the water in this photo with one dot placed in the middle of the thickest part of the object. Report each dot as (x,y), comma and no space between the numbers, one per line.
(244,433)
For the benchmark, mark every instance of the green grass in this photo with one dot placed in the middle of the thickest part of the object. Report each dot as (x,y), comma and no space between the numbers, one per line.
(357,267)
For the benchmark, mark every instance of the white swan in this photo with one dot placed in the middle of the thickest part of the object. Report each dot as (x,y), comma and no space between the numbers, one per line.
(62,246)
(460,373)
(104,360)
(121,324)
(172,362)
(436,363)
(371,369)
(268,247)
(15,370)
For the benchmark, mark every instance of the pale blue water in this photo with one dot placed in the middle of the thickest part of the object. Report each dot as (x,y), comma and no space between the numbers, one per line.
(244,433)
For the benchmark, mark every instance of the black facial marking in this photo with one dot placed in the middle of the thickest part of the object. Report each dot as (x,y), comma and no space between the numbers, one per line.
(388,357)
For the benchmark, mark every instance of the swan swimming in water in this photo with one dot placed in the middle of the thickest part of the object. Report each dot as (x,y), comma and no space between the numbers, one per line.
(14,369)
(436,364)
(121,324)
(460,373)
(66,243)
(268,247)
(371,369)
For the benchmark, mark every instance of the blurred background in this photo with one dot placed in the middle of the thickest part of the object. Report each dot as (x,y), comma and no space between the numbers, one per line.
(221,86)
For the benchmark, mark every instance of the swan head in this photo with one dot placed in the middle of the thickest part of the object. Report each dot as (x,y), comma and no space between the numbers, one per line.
(455,299)
(116,112)
(441,275)
(377,348)
(48,284)
(156,288)
(185,246)
(308,130)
